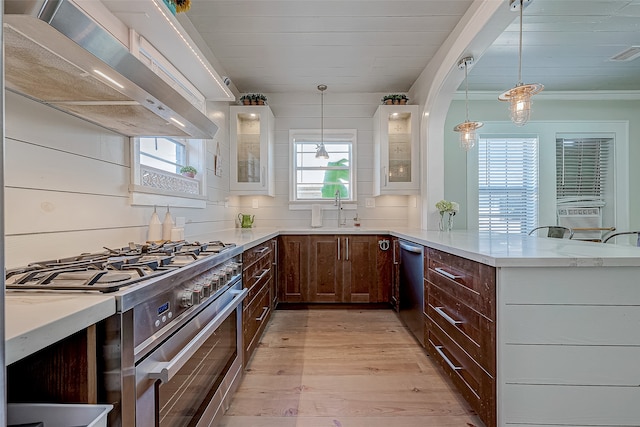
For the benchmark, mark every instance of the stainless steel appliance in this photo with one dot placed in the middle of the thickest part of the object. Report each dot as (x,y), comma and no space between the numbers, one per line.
(59,54)
(412,288)
(172,353)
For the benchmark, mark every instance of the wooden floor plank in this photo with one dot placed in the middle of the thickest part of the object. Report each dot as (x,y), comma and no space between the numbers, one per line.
(343,368)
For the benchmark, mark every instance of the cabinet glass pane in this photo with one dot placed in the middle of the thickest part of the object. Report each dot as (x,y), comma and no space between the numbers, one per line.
(248,147)
(399,147)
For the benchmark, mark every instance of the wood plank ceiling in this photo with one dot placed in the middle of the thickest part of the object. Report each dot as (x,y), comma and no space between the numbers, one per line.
(383,45)
(350,45)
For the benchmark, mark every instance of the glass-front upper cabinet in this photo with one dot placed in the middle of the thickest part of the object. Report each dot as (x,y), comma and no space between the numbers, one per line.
(252,137)
(396,154)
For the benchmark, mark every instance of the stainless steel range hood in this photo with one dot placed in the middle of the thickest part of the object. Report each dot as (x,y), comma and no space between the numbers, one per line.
(56,54)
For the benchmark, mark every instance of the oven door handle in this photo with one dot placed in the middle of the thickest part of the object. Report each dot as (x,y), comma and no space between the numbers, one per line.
(164,371)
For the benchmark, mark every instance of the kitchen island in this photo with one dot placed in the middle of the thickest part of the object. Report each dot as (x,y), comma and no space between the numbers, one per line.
(567,321)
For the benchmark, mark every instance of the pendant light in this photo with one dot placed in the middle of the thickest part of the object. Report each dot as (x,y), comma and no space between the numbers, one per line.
(468,135)
(520,96)
(321,151)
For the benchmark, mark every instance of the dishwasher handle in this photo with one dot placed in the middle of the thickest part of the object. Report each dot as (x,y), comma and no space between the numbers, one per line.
(411,248)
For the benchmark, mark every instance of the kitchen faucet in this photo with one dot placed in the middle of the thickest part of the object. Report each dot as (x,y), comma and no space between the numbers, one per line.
(338,202)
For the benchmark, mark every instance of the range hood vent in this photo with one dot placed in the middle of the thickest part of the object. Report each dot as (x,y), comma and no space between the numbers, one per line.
(56,54)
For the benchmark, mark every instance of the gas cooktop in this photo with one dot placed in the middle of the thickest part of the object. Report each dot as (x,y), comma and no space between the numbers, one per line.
(112,269)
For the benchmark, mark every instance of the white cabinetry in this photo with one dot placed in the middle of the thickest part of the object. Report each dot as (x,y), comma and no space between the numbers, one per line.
(396,155)
(568,345)
(252,138)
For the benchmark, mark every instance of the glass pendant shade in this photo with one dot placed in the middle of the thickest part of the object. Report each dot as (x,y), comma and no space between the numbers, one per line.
(520,101)
(467,130)
(321,151)
(519,97)
(468,134)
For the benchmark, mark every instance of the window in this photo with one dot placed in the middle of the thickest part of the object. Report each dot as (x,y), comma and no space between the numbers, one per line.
(315,179)
(582,167)
(155,168)
(507,184)
(163,153)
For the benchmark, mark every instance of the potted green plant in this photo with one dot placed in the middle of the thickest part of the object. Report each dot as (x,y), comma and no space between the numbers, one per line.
(189,171)
(395,99)
(400,99)
(387,99)
(245,99)
(262,100)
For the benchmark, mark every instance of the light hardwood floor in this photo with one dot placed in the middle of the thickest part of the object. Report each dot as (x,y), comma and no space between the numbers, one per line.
(343,368)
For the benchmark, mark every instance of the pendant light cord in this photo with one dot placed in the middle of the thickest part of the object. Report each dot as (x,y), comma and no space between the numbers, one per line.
(322,117)
(466,91)
(520,46)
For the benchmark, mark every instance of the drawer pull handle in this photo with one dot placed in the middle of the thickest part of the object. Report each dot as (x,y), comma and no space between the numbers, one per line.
(263,250)
(261,275)
(446,317)
(265,310)
(447,274)
(446,359)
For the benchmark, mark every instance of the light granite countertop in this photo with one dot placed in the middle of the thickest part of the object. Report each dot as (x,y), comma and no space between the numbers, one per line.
(35,320)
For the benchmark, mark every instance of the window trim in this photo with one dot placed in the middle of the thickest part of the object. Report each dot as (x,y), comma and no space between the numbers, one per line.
(142,195)
(546,131)
(315,134)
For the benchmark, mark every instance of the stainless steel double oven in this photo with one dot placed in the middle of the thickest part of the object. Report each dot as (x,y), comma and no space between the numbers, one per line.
(172,354)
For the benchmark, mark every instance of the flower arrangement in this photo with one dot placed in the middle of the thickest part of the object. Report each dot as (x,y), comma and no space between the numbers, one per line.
(447,207)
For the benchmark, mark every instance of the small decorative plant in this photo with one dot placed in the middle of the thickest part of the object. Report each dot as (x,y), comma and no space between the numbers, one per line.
(253,99)
(395,98)
(189,171)
(179,5)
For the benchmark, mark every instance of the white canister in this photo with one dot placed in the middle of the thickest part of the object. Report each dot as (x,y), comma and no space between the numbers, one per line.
(177,234)
(167,225)
(155,228)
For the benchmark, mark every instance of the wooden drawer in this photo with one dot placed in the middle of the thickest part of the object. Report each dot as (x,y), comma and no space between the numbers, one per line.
(474,384)
(468,281)
(252,255)
(255,318)
(254,277)
(473,332)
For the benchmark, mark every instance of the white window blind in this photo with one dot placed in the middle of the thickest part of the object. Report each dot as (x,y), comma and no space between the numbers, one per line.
(507,184)
(582,166)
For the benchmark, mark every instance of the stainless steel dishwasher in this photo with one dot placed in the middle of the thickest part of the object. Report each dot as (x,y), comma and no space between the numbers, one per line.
(412,288)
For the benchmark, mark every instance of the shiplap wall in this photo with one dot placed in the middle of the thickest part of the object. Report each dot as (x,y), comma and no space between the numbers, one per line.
(67,186)
(341,111)
(67,180)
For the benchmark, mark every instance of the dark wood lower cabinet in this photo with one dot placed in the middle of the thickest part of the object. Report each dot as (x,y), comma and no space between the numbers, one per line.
(325,269)
(460,333)
(257,278)
(64,372)
(335,269)
(293,268)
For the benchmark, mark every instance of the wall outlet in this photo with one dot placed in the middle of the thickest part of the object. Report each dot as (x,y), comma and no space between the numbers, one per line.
(255,204)
(370,202)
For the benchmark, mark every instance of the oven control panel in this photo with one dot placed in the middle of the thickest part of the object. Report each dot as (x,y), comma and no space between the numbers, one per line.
(159,312)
